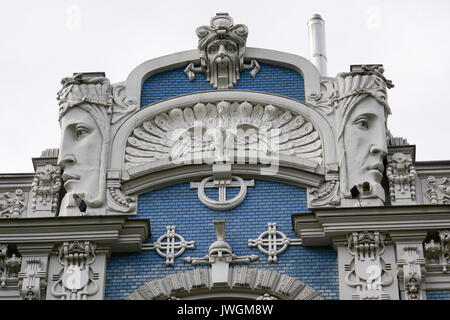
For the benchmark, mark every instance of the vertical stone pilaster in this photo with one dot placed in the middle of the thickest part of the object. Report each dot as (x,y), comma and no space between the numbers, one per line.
(401,175)
(46,185)
(411,264)
(34,270)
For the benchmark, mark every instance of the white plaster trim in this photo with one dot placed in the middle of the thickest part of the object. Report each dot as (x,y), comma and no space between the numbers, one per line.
(148,68)
(317,119)
(243,282)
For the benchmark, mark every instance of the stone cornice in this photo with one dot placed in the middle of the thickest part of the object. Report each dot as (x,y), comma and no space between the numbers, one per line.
(322,225)
(12,181)
(118,232)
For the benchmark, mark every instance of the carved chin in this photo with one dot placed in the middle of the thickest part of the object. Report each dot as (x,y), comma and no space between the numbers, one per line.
(223,68)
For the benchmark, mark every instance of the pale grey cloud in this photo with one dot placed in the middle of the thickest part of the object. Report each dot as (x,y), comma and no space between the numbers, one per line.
(41,42)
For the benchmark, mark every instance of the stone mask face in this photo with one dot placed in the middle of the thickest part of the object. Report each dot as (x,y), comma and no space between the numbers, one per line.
(80,154)
(365,145)
(222,56)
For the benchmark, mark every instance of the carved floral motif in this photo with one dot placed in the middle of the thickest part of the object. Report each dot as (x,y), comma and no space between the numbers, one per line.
(401,175)
(9,267)
(438,190)
(12,205)
(45,187)
(438,250)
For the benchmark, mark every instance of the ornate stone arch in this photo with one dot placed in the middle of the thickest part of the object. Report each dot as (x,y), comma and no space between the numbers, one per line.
(243,283)
(298,170)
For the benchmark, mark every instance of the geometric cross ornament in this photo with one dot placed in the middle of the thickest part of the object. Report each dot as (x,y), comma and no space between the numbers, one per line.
(222,179)
(166,245)
(272,239)
(222,203)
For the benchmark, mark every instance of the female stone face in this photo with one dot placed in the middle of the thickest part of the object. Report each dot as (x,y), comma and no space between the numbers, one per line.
(80,153)
(365,143)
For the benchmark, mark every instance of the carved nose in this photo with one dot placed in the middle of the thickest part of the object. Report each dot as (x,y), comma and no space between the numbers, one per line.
(67,160)
(222,51)
(376,149)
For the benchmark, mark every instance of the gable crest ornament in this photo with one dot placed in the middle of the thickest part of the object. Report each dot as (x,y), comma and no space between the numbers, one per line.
(222,47)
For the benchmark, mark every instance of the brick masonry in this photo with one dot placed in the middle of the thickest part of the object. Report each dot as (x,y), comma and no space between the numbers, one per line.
(179,205)
(270,79)
(438,295)
(266,202)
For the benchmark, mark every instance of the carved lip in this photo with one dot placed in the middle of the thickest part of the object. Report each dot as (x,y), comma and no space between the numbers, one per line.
(67,178)
(377,167)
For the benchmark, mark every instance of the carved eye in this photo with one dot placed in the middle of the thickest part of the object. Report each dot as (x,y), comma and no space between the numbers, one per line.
(362,123)
(230,48)
(80,132)
(214,48)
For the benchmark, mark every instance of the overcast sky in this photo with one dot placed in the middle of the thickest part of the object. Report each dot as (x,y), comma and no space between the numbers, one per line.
(44,41)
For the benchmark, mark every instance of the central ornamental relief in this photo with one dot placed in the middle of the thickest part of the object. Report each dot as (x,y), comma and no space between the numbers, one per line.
(223,131)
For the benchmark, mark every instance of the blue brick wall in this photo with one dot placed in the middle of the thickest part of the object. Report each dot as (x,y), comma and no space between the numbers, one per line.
(179,205)
(270,79)
(438,294)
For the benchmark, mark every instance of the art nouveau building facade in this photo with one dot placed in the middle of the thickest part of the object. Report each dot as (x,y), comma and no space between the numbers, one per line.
(227,172)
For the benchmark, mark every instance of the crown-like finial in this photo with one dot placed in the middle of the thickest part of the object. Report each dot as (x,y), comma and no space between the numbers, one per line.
(84,88)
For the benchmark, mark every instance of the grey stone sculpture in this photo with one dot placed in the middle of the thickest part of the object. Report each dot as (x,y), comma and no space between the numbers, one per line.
(360,102)
(88,107)
(222,49)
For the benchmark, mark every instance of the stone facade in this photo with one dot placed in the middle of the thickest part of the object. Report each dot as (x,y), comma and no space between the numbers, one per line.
(227,172)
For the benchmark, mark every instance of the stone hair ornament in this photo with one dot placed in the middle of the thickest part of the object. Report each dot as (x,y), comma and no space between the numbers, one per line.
(81,89)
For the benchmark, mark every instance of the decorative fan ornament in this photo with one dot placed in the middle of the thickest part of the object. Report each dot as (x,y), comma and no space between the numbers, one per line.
(221,131)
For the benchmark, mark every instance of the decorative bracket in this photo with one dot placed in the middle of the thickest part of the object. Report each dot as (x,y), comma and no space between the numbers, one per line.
(273,239)
(33,278)
(167,243)
(411,265)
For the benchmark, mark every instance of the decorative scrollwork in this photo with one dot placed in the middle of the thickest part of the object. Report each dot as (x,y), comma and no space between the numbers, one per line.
(12,205)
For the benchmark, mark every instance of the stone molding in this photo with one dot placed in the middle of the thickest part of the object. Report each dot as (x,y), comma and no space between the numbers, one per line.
(117,233)
(136,180)
(181,59)
(320,226)
(245,282)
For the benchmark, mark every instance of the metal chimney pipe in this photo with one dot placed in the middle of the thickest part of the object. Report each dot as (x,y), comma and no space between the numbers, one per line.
(317,44)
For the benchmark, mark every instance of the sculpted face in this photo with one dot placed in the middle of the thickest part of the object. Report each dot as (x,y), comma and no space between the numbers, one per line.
(80,153)
(222,55)
(365,143)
